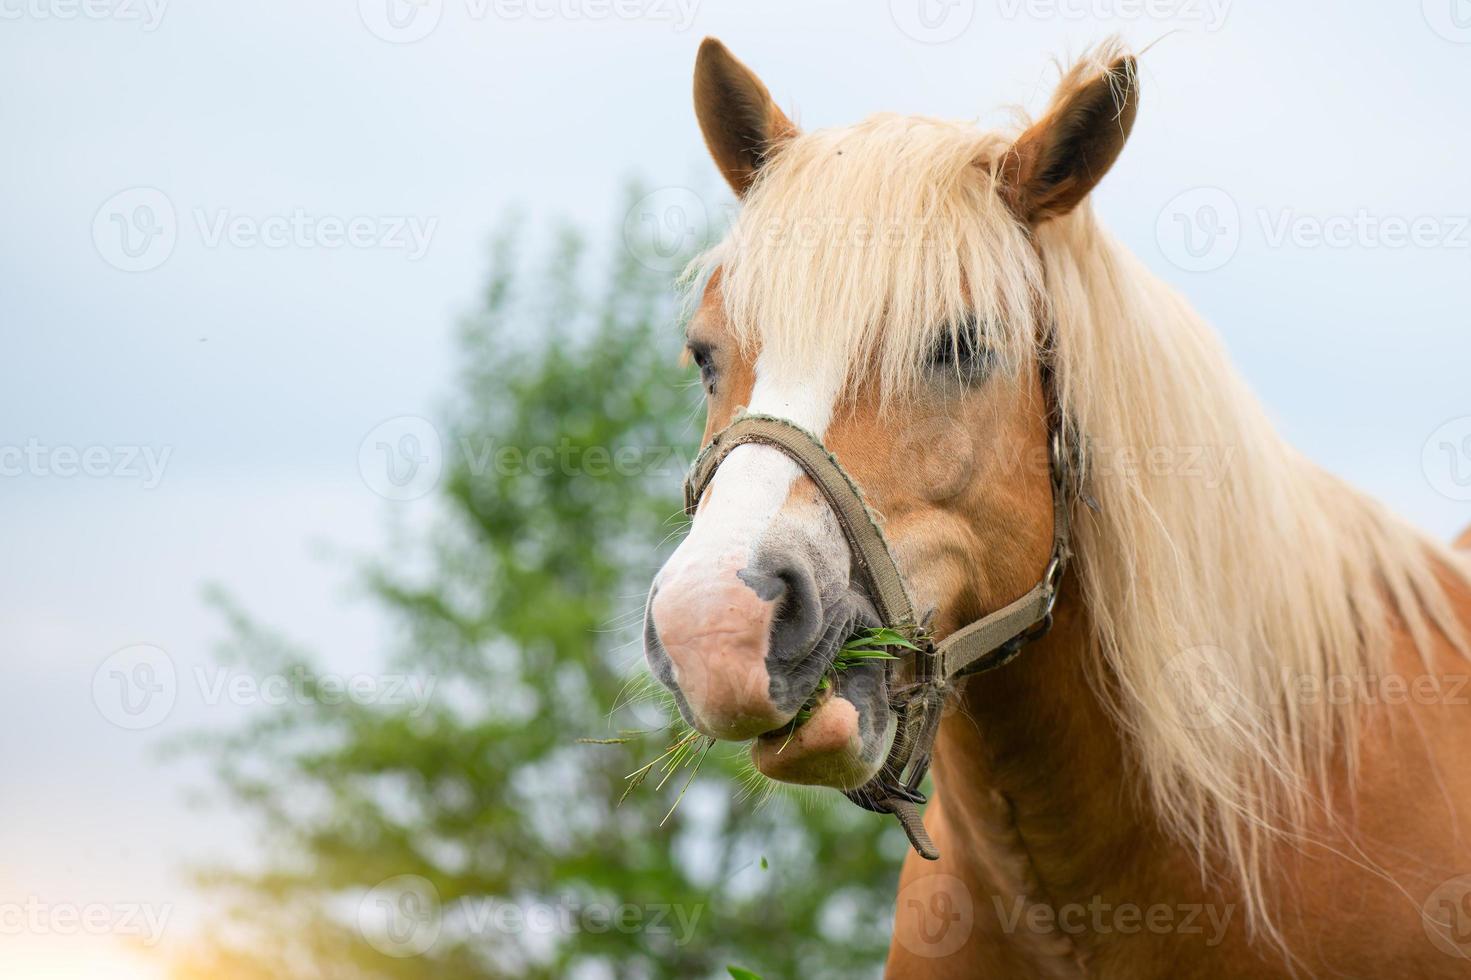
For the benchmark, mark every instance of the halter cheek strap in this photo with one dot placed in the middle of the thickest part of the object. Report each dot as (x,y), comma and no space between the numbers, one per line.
(918,684)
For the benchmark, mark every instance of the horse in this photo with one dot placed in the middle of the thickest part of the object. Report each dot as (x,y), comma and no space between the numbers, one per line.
(1234,753)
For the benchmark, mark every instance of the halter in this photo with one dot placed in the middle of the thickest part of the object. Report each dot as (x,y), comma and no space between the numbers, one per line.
(919,682)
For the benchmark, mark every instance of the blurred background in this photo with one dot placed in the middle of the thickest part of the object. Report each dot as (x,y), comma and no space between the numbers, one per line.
(342,428)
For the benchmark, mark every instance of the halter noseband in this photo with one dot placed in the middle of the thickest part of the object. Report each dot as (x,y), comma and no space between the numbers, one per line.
(919,683)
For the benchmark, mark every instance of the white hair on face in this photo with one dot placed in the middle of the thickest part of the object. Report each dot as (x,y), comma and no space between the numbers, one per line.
(1275,566)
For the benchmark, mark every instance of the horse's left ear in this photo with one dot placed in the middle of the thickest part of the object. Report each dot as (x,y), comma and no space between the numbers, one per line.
(1059,159)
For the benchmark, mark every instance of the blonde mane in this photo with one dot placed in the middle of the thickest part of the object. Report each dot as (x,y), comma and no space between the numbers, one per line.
(869,240)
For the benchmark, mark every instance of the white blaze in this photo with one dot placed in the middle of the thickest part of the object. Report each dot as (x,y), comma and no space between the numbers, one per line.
(752,484)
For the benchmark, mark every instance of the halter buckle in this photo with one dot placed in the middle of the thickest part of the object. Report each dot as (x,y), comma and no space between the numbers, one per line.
(1053,577)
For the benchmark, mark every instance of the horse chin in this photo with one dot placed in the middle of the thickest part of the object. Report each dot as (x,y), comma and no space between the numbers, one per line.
(842,744)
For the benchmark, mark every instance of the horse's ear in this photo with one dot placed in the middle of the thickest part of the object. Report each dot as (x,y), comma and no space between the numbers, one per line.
(741,124)
(1059,159)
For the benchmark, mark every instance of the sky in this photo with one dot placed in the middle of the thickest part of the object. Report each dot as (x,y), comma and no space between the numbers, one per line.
(237,238)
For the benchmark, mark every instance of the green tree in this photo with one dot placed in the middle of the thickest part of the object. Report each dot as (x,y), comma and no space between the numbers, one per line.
(382,828)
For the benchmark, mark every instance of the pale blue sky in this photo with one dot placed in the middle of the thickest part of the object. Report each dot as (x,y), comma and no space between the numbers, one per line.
(260,369)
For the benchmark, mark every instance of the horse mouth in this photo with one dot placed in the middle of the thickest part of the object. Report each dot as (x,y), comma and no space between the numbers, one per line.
(839,737)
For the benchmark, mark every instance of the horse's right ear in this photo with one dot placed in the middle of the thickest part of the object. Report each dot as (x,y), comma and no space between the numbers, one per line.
(741,124)
(1060,158)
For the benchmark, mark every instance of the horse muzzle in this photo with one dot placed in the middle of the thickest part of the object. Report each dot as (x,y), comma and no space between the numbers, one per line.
(748,653)
(743,639)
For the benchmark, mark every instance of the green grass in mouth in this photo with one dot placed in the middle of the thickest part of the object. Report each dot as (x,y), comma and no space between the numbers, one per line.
(865,646)
(689,748)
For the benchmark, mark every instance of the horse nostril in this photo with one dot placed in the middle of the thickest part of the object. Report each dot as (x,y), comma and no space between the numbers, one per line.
(768,587)
(796,623)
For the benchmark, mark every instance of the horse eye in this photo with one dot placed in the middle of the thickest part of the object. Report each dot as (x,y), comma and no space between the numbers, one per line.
(704,359)
(960,352)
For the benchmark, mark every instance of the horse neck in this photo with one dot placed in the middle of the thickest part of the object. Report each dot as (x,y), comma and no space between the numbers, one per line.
(1033,782)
